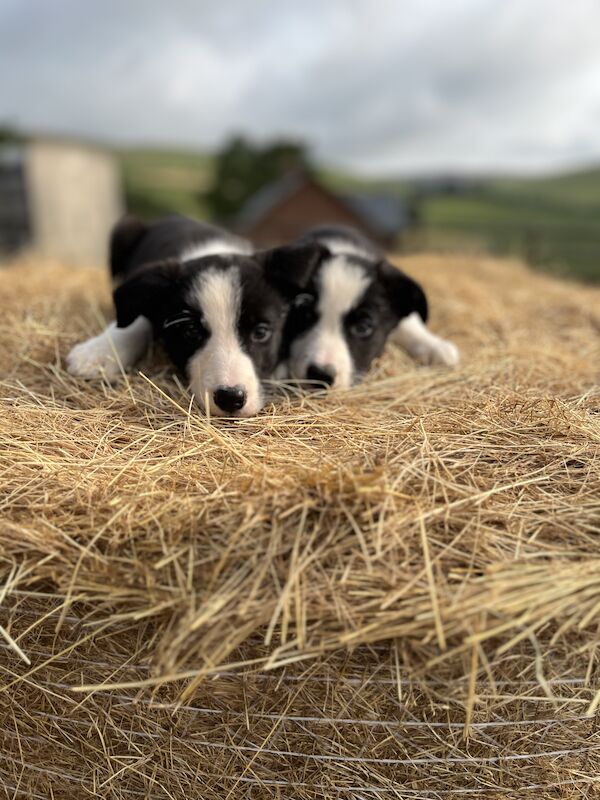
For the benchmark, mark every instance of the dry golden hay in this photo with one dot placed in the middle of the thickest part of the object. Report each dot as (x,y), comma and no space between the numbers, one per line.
(391,592)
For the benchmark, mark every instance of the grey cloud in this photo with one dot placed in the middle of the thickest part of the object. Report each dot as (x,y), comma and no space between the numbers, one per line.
(373,84)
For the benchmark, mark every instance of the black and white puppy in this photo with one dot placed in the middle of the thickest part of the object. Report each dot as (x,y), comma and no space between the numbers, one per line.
(218,308)
(353,302)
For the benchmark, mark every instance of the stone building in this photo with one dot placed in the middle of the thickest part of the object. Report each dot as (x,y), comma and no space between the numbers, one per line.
(281,211)
(59,199)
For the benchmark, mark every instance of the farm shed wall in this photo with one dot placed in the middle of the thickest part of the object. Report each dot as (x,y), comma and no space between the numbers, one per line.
(74,197)
(14,216)
(306,207)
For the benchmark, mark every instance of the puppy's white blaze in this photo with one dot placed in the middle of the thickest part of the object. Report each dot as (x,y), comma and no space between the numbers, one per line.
(114,349)
(346,247)
(216,247)
(222,362)
(413,335)
(341,286)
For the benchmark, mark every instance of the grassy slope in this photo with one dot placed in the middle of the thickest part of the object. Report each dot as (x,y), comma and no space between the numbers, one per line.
(552,222)
(158,181)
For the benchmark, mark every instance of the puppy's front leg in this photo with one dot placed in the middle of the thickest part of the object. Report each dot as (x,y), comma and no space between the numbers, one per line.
(413,336)
(112,351)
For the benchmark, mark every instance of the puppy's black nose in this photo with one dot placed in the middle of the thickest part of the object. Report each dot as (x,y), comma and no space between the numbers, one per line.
(324,375)
(230,398)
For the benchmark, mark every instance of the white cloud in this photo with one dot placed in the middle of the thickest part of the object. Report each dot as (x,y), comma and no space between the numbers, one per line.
(374,84)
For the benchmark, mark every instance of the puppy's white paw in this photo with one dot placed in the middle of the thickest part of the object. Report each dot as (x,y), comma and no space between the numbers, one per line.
(438,352)
(111,352)
(94,359)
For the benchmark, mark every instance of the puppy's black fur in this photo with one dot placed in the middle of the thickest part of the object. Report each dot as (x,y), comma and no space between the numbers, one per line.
(218,307)
(388,296)
(156,282)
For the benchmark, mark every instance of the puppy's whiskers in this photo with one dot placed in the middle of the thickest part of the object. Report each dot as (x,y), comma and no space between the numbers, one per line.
(185,317)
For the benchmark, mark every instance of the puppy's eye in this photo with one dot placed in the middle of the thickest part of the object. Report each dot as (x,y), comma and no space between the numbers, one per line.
(362,328)
(261,333)
(303,301)
(186,325)
(192,332)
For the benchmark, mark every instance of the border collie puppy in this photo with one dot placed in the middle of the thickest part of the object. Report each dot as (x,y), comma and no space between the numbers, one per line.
(354,301)
(218,308)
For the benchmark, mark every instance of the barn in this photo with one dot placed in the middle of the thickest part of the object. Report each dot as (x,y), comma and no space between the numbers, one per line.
(281,211)
(58,198)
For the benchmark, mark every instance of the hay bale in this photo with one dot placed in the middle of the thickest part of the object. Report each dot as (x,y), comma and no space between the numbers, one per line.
(386,592)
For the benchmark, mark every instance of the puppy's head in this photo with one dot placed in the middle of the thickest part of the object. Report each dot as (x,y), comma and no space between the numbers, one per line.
(341,322)
(221,319)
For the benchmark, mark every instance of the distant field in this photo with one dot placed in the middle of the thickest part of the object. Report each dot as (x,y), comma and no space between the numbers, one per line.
(554,223)
(163,181)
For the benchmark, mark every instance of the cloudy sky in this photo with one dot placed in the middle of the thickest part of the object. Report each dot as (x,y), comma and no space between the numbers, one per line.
(381,86)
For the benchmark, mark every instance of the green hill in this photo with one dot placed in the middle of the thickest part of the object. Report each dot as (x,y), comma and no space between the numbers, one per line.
(162,181)
(553,222)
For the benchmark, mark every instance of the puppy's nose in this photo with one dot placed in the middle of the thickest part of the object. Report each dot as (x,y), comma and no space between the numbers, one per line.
(325,374)
(230,398)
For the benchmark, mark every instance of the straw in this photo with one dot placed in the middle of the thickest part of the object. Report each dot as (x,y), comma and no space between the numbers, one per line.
(391,591)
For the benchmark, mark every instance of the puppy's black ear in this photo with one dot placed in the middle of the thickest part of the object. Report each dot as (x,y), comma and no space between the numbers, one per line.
(404,294)
(125,237)
(145,293)
(291,267)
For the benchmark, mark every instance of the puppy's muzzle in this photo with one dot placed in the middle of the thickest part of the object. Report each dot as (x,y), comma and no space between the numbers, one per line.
(230,398)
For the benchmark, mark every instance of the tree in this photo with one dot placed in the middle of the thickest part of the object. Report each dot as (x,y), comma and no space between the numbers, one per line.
(242,168)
